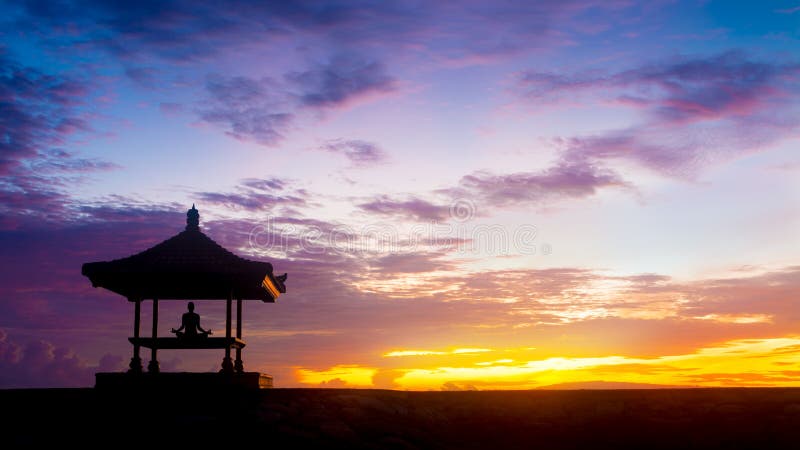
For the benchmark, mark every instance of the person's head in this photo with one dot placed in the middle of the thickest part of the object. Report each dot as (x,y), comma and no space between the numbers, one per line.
(191,307)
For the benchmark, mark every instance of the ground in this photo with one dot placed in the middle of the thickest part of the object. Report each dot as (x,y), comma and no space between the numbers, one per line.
(757,418)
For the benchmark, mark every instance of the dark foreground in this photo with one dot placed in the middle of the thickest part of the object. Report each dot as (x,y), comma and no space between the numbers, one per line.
(332,418)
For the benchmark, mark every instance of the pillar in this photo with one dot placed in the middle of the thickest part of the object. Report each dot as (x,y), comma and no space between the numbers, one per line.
(238,365)
(135,365)
(227,365)
(152,367)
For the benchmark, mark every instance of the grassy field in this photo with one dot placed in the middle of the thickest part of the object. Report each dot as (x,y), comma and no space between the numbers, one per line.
(757,418)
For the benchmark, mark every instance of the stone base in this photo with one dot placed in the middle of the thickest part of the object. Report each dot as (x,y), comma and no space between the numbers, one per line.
(182,380)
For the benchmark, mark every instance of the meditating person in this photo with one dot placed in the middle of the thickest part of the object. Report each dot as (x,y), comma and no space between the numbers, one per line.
(190,325)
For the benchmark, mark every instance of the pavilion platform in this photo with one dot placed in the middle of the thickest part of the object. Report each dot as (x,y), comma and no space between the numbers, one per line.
(185,381)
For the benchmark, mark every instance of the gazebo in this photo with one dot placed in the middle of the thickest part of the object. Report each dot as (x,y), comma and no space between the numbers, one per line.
(188,266)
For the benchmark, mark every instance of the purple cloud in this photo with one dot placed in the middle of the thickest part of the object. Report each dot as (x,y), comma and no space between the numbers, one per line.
(258,195)
(485,191)
(412,208)
(170,108)
(265,184)
(251,201)
(39,115)
(417,262)
(262,109)
(28,198)
(562,181)
(62,161)
(682,90)
(251,109)
(699,110)
(143,76)
(256,109)
(360,153)
(37,111)
(171,29)
(342,79)
(43,364)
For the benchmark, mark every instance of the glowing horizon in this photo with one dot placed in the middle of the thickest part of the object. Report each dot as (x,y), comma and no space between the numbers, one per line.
(739,363)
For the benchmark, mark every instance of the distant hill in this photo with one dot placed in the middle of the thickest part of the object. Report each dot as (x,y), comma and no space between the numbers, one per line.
(599,384)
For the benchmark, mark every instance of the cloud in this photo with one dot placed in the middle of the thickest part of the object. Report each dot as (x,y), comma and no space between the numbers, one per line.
(170,108)
(412,209)
(457,351)
(484,191)
(265,184)
(263,109)
(416,262)
(43,364)
(698,111)
(563,181)
(681,90)
(29,198)
(144,76)
(257,195)
(62,161)
(354,43)
(360,153)
(574,311)
(746,296)
(340,80)
(249,108)
(171,29)
(250,201)
(39,112)
(790,10)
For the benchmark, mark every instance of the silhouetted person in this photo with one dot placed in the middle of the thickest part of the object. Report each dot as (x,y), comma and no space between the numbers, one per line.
(190,325)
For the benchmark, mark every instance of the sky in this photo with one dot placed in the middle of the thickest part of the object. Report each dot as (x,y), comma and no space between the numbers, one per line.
(465,195)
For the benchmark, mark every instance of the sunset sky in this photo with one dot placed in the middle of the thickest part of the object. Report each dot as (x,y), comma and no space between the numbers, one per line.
(489,195)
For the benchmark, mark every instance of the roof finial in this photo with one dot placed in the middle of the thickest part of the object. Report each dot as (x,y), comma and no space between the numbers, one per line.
(193,219)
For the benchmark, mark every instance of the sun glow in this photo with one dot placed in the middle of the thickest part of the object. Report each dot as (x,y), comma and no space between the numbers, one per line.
(744,362)
(337,376)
